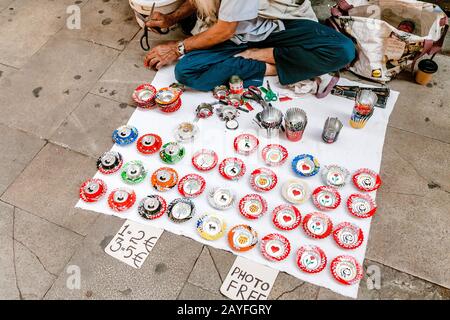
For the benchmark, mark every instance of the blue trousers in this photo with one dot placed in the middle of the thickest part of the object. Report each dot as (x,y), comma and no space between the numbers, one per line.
(304,50)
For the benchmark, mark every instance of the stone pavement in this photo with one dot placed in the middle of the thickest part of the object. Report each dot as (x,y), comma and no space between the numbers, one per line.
(62,92)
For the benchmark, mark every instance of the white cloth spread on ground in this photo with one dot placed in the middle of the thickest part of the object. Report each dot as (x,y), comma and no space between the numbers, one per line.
(354,149)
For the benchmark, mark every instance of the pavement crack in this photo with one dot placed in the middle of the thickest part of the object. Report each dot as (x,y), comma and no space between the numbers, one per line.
(290,291)
(190,272)
(215,265)
(37,257)
(14,255)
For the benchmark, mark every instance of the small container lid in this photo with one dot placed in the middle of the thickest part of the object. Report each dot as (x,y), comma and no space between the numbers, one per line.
(263,180)
(232,168)
(311,259)
(109,162)
(361,205)
(253,206)
(274,155)
(245,144)
(211,226)
(317,225)
(92,190)
(348,235)
(152,207)
(191,185)
(242,238)
(346,269)
(275,247)
(295,191)
(181,210)
(286,217)
(305,165)
(133,172)
(326,198)
(366,180)
(205,160)
(428,66)
(221,198)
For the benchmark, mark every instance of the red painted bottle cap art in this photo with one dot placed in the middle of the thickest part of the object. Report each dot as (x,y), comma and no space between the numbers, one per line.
(253,206)
(346,269)
(275,247)
(326,198)
(242,238)
(149,144)
(317,225)
(245,144)
(361,205)
(274,155)
(191,185)
(366,180)
(92,190)
(311,259)
(232,168)
(121,199)
(286,217)
(205,160)
(348,235)
(263,179)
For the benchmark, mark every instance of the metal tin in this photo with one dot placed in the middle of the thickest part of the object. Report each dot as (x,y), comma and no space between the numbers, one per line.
(172,153)
(232,168)
(227,113)
(149,143)
(271,120)
(205,160)
(242,238)
(125,135)
(295,123)
(346,269)
(317,225)
(109,162)
(326,198)
(221,92)
(204,110)
(191,185)
(181,210)
(331,130)
(275,247)
(245,144)
(144,96)
(263,179)
(178,86)
(252,206)
(211,227)
(366,180)
(295,191)
(361,205)
(164,179)
(274,155)
(335,176)
(232,124)
(286,217)
(235,100)
(311,259)
(152,207)
(236,85)
(92,190)
(186,132)
(133,172)
(348,235)
(221,198)
(305,165)
(166,96)
(121,199)
(172,107)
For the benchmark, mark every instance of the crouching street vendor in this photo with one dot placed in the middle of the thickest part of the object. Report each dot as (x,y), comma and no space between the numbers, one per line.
(233,37)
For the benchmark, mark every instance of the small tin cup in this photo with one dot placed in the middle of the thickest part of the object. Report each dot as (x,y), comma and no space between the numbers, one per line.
(295,123)
(331,130)
(364,108)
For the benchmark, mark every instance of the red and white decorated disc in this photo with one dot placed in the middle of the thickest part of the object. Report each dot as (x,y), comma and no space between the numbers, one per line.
(191,185)
(121,199)
(346,269)
(245,144)
(275,247)
(366,180)
(205,160)
(274,154)
(263,179)
(317,225)
(232,168)
(252,206)
(149,143)
(361,205)
(92,190)
(311,259)
(348,235)
(286,217)
(326,198)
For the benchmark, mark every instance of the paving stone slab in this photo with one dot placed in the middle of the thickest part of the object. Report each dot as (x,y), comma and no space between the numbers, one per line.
(391,284)
(204,274)
(4,4)
(162,276)
(88,129)
(110,23)
(26,28)
(5,72)
(125,74)
(192,292)
(49,186)
(53,82)
(17,150)
(8,283)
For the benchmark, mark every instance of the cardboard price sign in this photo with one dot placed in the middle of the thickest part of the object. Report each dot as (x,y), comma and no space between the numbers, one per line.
(133,242)
(248,280)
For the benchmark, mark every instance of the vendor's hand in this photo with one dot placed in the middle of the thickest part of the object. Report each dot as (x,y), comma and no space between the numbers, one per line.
(159,20)
(162,55)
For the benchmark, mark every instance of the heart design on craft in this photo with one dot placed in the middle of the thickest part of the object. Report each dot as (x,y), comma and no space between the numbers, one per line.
(326,196)
(287,218)
(275,249)
(305,167)
(296,192)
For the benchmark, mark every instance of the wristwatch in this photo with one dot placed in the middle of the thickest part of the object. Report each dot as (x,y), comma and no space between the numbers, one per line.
(180,48)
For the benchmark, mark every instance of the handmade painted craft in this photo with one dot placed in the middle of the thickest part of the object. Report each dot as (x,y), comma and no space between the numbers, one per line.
(286,217)
(232,168)
(274,155)
(172,153)
(326,198)
(245,144)
(348,235)
(181,210)
(92,190)
(335,176)
(366,180)
(109,162)
(191,185)
(125,135)
(221,198)
(305,165)
(144,96)
(346,269)
(317,225)
(205,160)
(133,172)
(311,259)
(164,179)
(186,132)
(152,207)
(295,191)
(149,143)
(263,180)
(242,238)
(361,205)
(275,247)
(121,199)
(211,227)
(252,206)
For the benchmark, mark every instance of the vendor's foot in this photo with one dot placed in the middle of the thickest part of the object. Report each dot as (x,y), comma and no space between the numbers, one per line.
(271,70)
(263,55)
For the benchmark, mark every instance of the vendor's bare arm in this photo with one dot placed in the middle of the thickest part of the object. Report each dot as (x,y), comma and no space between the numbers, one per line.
(161,20)
(218,33)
